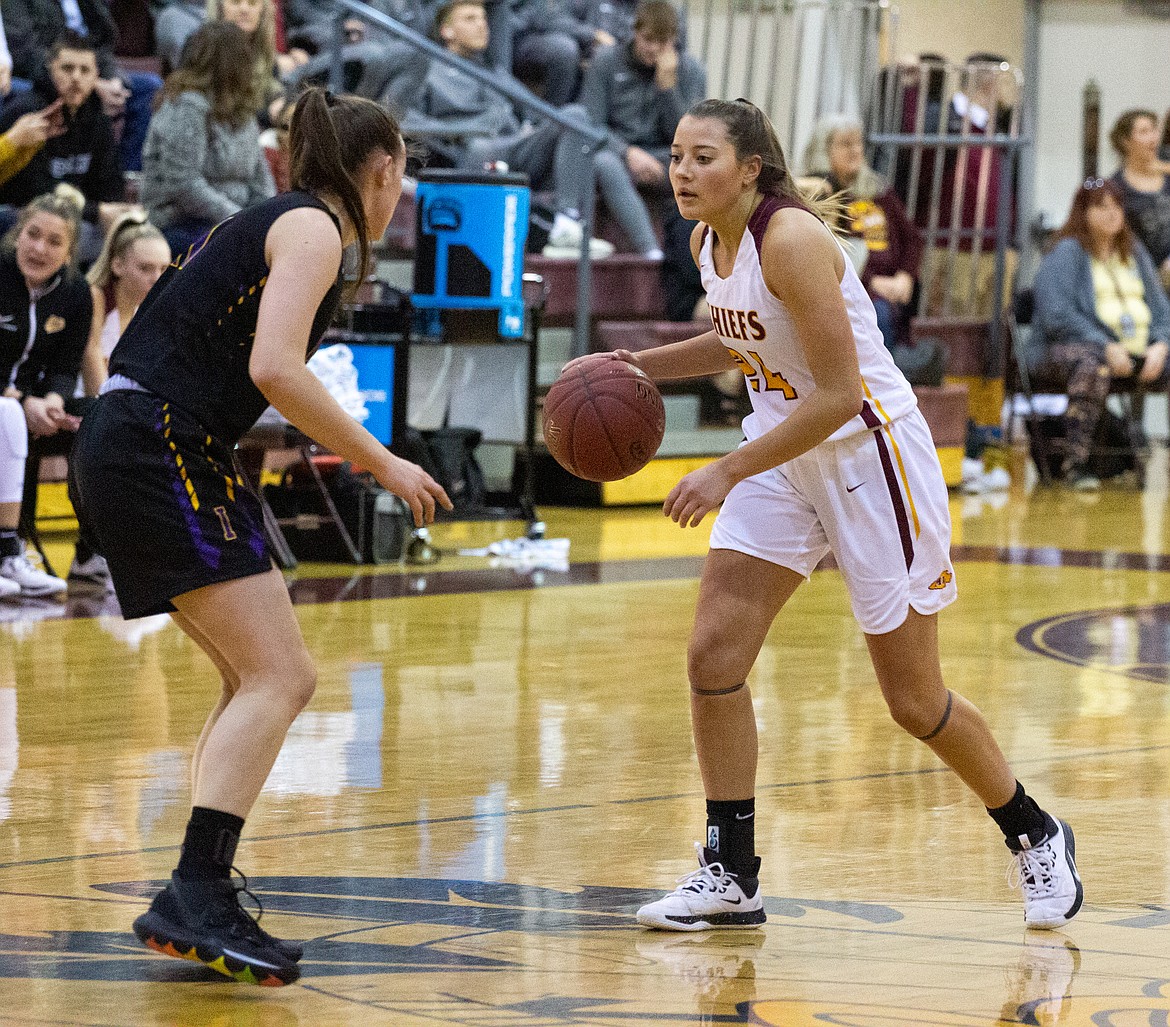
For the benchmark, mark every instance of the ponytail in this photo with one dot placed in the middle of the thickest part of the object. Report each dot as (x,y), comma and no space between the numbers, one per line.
(330,139)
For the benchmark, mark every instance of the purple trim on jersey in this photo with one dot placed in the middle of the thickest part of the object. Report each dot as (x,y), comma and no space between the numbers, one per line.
(899,503)
(758,222)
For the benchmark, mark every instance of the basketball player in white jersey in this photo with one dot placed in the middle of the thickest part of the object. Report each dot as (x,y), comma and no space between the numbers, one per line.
(837,459)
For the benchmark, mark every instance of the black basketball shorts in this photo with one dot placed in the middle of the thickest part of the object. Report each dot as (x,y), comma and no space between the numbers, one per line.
(159,498)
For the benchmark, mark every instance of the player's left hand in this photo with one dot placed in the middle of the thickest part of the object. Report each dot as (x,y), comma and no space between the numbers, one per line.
(414,486)
(698,494)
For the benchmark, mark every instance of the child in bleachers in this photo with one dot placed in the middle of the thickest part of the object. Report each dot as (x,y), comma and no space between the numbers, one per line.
(132,260)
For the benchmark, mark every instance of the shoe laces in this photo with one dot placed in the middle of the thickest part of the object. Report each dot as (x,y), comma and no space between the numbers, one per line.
(709,877)
(249,920)
(1034,871)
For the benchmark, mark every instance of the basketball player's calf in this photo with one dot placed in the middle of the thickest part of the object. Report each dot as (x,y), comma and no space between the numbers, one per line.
(1044,848)
(724,892)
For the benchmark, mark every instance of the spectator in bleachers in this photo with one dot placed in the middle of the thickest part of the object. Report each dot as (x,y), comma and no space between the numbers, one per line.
(45,313)
(33,26)
(1144,184)
(614,20)
(972,182)
(133,258)
(173,27)
(256,18)
(27,135)
(1101,314)
(85,155)
(884,245)
(639,91)
(548,45)
(377,65)
(202,160)
(471,125)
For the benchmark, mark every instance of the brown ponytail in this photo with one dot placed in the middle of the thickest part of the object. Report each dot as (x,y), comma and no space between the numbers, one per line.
(330,138)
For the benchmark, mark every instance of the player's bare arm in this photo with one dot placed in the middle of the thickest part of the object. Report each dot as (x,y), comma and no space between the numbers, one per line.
(303,250)
(795,239)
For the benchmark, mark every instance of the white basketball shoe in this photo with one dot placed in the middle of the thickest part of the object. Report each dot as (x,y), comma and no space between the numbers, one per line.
(1047,875)
(706,899)
(29,578)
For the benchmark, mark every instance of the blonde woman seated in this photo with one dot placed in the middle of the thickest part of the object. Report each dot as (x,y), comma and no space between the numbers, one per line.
(1101,314)
(883,243)
(132,260)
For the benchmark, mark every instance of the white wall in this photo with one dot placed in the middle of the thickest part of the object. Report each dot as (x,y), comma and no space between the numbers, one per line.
(1125,52)
(956,28)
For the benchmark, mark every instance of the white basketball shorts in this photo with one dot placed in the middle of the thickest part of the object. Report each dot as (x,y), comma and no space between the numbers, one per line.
(876,500)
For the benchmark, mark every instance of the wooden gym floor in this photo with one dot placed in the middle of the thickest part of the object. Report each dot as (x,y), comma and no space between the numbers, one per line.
(497,769)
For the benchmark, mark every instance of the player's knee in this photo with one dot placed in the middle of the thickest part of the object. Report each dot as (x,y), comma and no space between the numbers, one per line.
(712,663)
(913,714)
(292,682)
(302,682)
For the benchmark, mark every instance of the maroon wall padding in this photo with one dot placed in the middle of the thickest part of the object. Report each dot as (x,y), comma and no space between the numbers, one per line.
(626,285)
(945,410)
(639,335)
(965,340)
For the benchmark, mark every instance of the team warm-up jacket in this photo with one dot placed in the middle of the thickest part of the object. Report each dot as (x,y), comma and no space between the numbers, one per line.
(42,338)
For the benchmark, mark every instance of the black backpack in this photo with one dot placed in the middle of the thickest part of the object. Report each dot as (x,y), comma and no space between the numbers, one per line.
(448,456)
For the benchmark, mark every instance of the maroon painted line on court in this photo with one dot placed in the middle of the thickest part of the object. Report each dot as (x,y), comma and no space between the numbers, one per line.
(1090,638)
(399,584)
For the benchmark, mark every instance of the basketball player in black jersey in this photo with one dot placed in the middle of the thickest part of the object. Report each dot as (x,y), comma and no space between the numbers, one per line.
(226,331)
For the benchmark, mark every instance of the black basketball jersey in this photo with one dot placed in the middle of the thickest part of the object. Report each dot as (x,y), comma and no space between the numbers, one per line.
(191,339)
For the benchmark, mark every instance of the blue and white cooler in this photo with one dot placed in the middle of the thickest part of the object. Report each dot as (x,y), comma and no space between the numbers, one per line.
(469,254)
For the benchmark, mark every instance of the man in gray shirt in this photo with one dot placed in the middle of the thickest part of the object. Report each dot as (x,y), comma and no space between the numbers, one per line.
(472,125)
(641,89)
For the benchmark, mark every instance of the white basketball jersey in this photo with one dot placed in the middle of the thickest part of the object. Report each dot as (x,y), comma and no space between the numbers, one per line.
(759,334)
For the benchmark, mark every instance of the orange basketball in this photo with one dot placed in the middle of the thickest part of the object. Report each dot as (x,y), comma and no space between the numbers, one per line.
(603,420)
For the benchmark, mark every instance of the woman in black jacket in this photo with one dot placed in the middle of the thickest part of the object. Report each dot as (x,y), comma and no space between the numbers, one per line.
(45,315)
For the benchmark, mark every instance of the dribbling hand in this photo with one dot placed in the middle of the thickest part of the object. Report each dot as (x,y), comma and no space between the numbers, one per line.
(698,494)
(415,487)
(617,354)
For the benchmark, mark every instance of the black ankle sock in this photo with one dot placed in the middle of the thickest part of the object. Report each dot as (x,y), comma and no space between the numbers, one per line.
(9,543)
(210,844)
(731,835)
(1022,817)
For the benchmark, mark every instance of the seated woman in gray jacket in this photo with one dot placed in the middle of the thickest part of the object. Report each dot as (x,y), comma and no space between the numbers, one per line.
(1101,314)
(202,160)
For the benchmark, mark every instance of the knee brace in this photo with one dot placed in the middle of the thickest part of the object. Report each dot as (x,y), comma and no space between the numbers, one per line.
(717,691)
(943,722)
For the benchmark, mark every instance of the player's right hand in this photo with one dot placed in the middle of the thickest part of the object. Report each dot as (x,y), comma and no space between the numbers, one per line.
(415,487)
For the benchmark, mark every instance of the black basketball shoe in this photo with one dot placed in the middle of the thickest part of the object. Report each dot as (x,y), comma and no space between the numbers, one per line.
(203,921)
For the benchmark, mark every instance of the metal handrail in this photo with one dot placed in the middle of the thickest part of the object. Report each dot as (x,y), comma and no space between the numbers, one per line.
(592,138)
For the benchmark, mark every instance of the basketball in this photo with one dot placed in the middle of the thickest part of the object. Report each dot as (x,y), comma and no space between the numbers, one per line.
(603,420)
